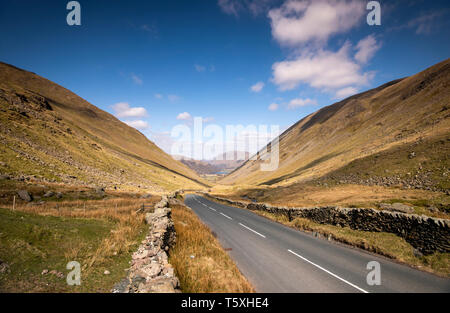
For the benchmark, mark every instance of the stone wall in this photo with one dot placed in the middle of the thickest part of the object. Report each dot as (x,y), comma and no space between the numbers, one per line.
(150,271)
(426,234)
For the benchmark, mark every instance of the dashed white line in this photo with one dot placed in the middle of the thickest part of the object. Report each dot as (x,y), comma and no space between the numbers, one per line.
(226,216)
(327,271)
(206,206)
(252,230)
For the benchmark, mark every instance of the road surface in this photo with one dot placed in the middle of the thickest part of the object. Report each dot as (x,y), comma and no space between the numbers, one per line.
(279,259)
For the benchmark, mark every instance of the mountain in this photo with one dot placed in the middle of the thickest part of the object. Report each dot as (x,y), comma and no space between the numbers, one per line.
(201,167)
(229,161)
(398,133)
(48,133)
(224,163)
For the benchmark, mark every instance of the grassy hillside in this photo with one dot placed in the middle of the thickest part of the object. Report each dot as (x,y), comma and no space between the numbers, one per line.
(390,134)
(48,133)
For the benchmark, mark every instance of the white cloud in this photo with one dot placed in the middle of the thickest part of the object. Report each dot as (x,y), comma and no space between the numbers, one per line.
(158,96)
(297,103)
(273,107)
(258,87)
(123,109)
(199,68)
(231,7)
(346,92)
(366,49)
(255,7)
(173,98)
(149,28)
(203,68)
(298,22)
(426,23)
(185,116)
(139,124)
(321,69)
(136,79)
(306,26)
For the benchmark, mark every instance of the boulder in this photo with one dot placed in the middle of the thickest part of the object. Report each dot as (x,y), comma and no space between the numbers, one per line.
(150,270)
(397,207)
(49,194)
(4,267)
(100,191)
(164,285)
(4,177)
(25,196)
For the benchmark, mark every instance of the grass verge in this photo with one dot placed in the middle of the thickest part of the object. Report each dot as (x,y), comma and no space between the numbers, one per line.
(200,262)
(101,236)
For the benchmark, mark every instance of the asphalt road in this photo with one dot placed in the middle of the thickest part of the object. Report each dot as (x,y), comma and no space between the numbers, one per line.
(276,258)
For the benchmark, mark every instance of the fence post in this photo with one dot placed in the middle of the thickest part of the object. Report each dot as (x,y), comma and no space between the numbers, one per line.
(14,203)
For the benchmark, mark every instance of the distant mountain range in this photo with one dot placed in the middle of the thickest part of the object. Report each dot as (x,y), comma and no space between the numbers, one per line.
(221,165)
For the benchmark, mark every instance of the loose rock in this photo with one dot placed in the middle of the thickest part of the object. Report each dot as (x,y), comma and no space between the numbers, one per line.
(49,194)
(24,195)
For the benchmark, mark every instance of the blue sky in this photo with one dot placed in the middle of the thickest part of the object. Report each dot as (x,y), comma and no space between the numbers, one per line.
(148,62)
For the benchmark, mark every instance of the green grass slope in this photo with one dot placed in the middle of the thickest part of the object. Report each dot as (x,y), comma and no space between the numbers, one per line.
(49,133)
(387,123)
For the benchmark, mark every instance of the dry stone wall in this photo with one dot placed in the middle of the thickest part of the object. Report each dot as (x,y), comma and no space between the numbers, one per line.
(150,271)
(426,234)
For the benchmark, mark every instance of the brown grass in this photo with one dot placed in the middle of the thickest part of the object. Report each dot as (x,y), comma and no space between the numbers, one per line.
(309,195)
(211,269)
(123,212)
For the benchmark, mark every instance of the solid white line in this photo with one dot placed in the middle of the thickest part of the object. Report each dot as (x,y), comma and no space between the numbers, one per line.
(327,271)
(226,216)
(252,230)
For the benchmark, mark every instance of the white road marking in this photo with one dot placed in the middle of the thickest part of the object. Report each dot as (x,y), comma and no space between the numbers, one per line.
(327,271)
(209,207)
(252,230)
(226,216)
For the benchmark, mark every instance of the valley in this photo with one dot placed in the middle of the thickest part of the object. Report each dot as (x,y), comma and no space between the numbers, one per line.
(79,185)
